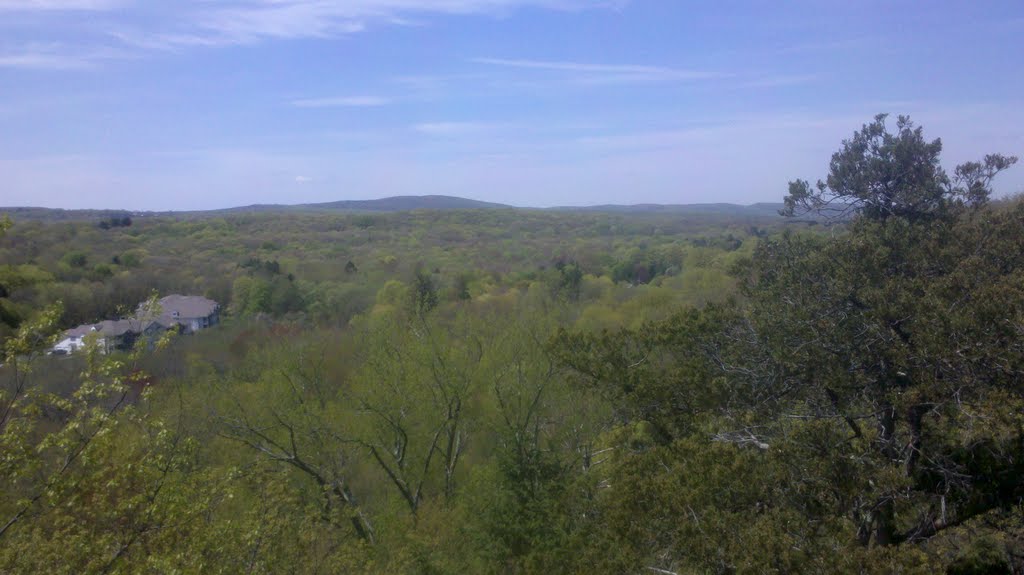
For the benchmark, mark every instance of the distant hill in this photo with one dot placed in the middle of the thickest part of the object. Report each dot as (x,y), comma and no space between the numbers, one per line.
(400,204)
(393,204)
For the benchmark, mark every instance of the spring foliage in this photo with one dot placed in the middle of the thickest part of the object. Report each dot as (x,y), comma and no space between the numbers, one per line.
(522,393)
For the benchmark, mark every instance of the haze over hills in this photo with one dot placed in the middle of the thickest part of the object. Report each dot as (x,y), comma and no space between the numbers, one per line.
(758,209)
(390,204)
(399,204)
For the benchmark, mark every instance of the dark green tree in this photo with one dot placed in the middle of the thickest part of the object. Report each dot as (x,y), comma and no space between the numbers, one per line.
(858,367)
(878,174)
(424,292)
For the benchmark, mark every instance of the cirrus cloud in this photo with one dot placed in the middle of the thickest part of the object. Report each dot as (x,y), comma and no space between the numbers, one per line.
(341,102)
(56,5)
(250,21)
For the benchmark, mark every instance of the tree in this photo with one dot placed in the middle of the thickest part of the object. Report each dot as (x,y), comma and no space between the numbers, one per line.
(85,473)
(460,287)
(289,419)
(902,333)
(13,280)
(75,259)
(879,174)
(414,398)
(895,329)
(857,370)
(366,222)
(424,292)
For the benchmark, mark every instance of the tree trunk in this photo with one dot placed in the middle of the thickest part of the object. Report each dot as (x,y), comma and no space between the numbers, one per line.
(884,514)
(885,523)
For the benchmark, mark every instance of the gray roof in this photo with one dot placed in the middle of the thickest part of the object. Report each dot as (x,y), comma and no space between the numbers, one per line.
(116,327)
(110,328)
(187,307)
(81,330)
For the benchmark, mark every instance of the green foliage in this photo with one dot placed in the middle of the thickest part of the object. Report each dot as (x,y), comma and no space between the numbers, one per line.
(570,277)
(131,258)
(86,475)
(879,175)
(543,393)
(75,259)
(276,295)
(115,222)
(477,253)
(424,293)
(849,375)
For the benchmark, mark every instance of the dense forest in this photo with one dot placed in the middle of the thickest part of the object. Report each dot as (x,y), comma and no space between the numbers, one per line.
(522,391)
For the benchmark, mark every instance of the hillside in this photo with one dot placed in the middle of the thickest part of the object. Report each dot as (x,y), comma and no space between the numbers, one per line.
(396,204)
(391,204)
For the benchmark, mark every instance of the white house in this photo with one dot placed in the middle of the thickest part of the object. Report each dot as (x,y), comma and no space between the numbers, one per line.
(73,340)
(111,335)
(186,314)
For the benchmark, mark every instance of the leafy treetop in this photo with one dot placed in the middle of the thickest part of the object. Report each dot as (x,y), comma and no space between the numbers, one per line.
(879,174)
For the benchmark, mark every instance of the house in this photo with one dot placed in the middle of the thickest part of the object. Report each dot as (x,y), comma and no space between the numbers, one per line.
(73,340)
(184,313)
(111,335)
(191,313)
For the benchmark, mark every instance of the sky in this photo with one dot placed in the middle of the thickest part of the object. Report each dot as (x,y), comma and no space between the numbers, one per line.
(203,104)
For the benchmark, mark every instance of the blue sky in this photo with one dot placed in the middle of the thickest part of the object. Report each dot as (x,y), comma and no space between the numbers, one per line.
(196,104)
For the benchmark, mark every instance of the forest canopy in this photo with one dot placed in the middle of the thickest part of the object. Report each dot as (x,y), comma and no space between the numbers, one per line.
(520,392)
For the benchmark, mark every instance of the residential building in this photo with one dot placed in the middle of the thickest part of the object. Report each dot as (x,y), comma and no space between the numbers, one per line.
(111,335)
(186,314)
(192,313)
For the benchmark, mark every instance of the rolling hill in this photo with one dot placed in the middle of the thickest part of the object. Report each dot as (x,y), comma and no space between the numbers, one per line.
(397,204)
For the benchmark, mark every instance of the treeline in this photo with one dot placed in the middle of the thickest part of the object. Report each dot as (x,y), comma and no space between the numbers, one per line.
(827,402)
(329,268)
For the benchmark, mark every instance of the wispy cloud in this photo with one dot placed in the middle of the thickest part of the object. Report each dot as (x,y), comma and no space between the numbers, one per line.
(644,140)
(833,45)
(341,102)
(605,73)
(159,42)
(716,130)
(452,128)
(205,23)
(247,21)
(254,21)
(56,5)
(54,57)
(34,60)
(778,81)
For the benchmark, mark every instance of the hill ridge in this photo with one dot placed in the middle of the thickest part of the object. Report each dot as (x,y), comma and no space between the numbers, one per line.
(397,204)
